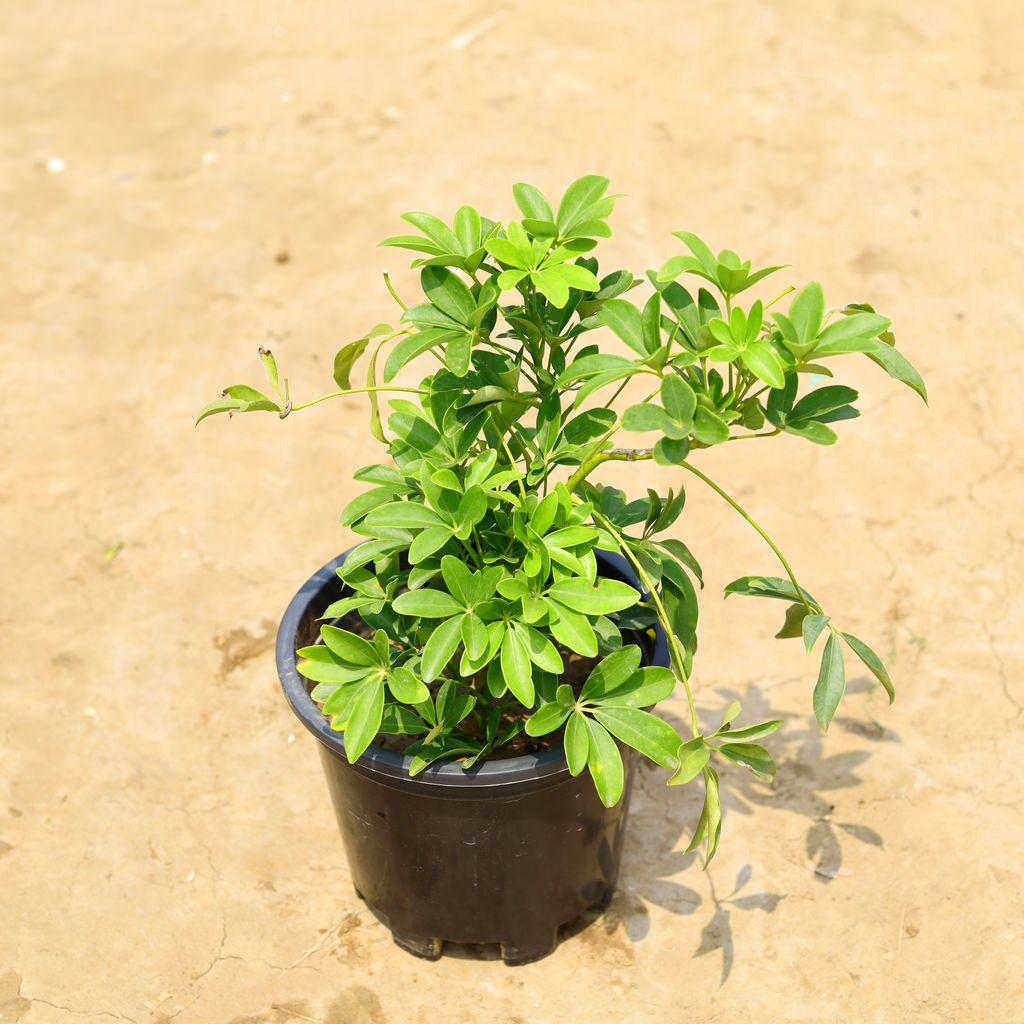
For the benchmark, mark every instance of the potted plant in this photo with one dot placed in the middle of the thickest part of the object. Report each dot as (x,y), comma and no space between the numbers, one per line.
(481,668)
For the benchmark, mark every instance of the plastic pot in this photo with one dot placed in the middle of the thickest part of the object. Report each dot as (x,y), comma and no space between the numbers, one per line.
(507,852)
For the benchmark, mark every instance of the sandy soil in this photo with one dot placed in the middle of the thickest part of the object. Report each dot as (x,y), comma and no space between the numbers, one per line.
(180,182)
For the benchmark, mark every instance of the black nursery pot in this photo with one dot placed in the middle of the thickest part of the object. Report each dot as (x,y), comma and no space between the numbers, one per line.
(506,852)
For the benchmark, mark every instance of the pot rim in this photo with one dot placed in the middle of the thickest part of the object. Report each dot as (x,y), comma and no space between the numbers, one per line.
(377,760)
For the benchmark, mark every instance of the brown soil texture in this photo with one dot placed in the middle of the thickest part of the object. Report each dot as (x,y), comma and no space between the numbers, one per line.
(182,182)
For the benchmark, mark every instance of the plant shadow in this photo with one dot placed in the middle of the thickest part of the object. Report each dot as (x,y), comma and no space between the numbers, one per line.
(665,818)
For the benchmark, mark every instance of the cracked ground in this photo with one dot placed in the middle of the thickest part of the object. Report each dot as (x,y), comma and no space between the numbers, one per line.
(182,182)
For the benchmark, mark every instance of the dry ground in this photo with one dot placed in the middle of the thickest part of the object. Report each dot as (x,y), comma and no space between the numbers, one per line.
(181,181)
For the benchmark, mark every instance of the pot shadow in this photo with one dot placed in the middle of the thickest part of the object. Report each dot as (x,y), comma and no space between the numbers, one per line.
(665,818)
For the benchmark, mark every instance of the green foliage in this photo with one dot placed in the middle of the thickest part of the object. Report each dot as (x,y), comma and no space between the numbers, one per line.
(476,585)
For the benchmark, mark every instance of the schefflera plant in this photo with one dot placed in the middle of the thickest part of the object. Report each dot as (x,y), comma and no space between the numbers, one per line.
(477,581)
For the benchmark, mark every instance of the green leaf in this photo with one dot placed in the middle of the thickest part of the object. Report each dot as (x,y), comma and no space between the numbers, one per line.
(708,427)
(811,628)
(679,399)
(402,515)
(345,359)
(650,322)
(692,755)
(645,417)
(682,554)
(427,542)
(671,452)
(594,599)
(573,630)
(643,689)
(416,243)
(507,251)
(828,691)
(767,586)
(405,687)
(254,400)
(474,636)
(436,230)
(531,202)
(699,249)
(427,604)
(850,334)
(793,626)
(577,277)
(624,319)
(270,368)
(680,603)
(412,346)
(547,718)
(220,405)
(605,764)
(551,285)
(652,736)
(750,732)
(812,430)
(349,647)
(577,743)
(516,668)
(324,671)
(457,354)
(400,720)
(898,367)
(579,197)
(807,310)
(752,756)
(543,652)
(709,828)
(472,507)
(467,229)
(593,365)
(440,645)
(822,401)
(611,673)
(872,661)
(364,716)
(448,292)
(764,363)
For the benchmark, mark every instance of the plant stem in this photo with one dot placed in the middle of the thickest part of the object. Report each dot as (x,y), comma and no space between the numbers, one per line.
(356,391)
(753,522)
(394,294)
(750,437)
(594,458)
(677,655)
(785,291)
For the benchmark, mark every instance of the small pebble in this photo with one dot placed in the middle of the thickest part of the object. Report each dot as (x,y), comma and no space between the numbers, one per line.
(209,158)
(291,737)
(391,114)
(190,877)
(90,712)
(55,165)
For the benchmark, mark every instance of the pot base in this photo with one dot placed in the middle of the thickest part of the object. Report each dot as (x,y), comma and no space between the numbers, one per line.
(524,949)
